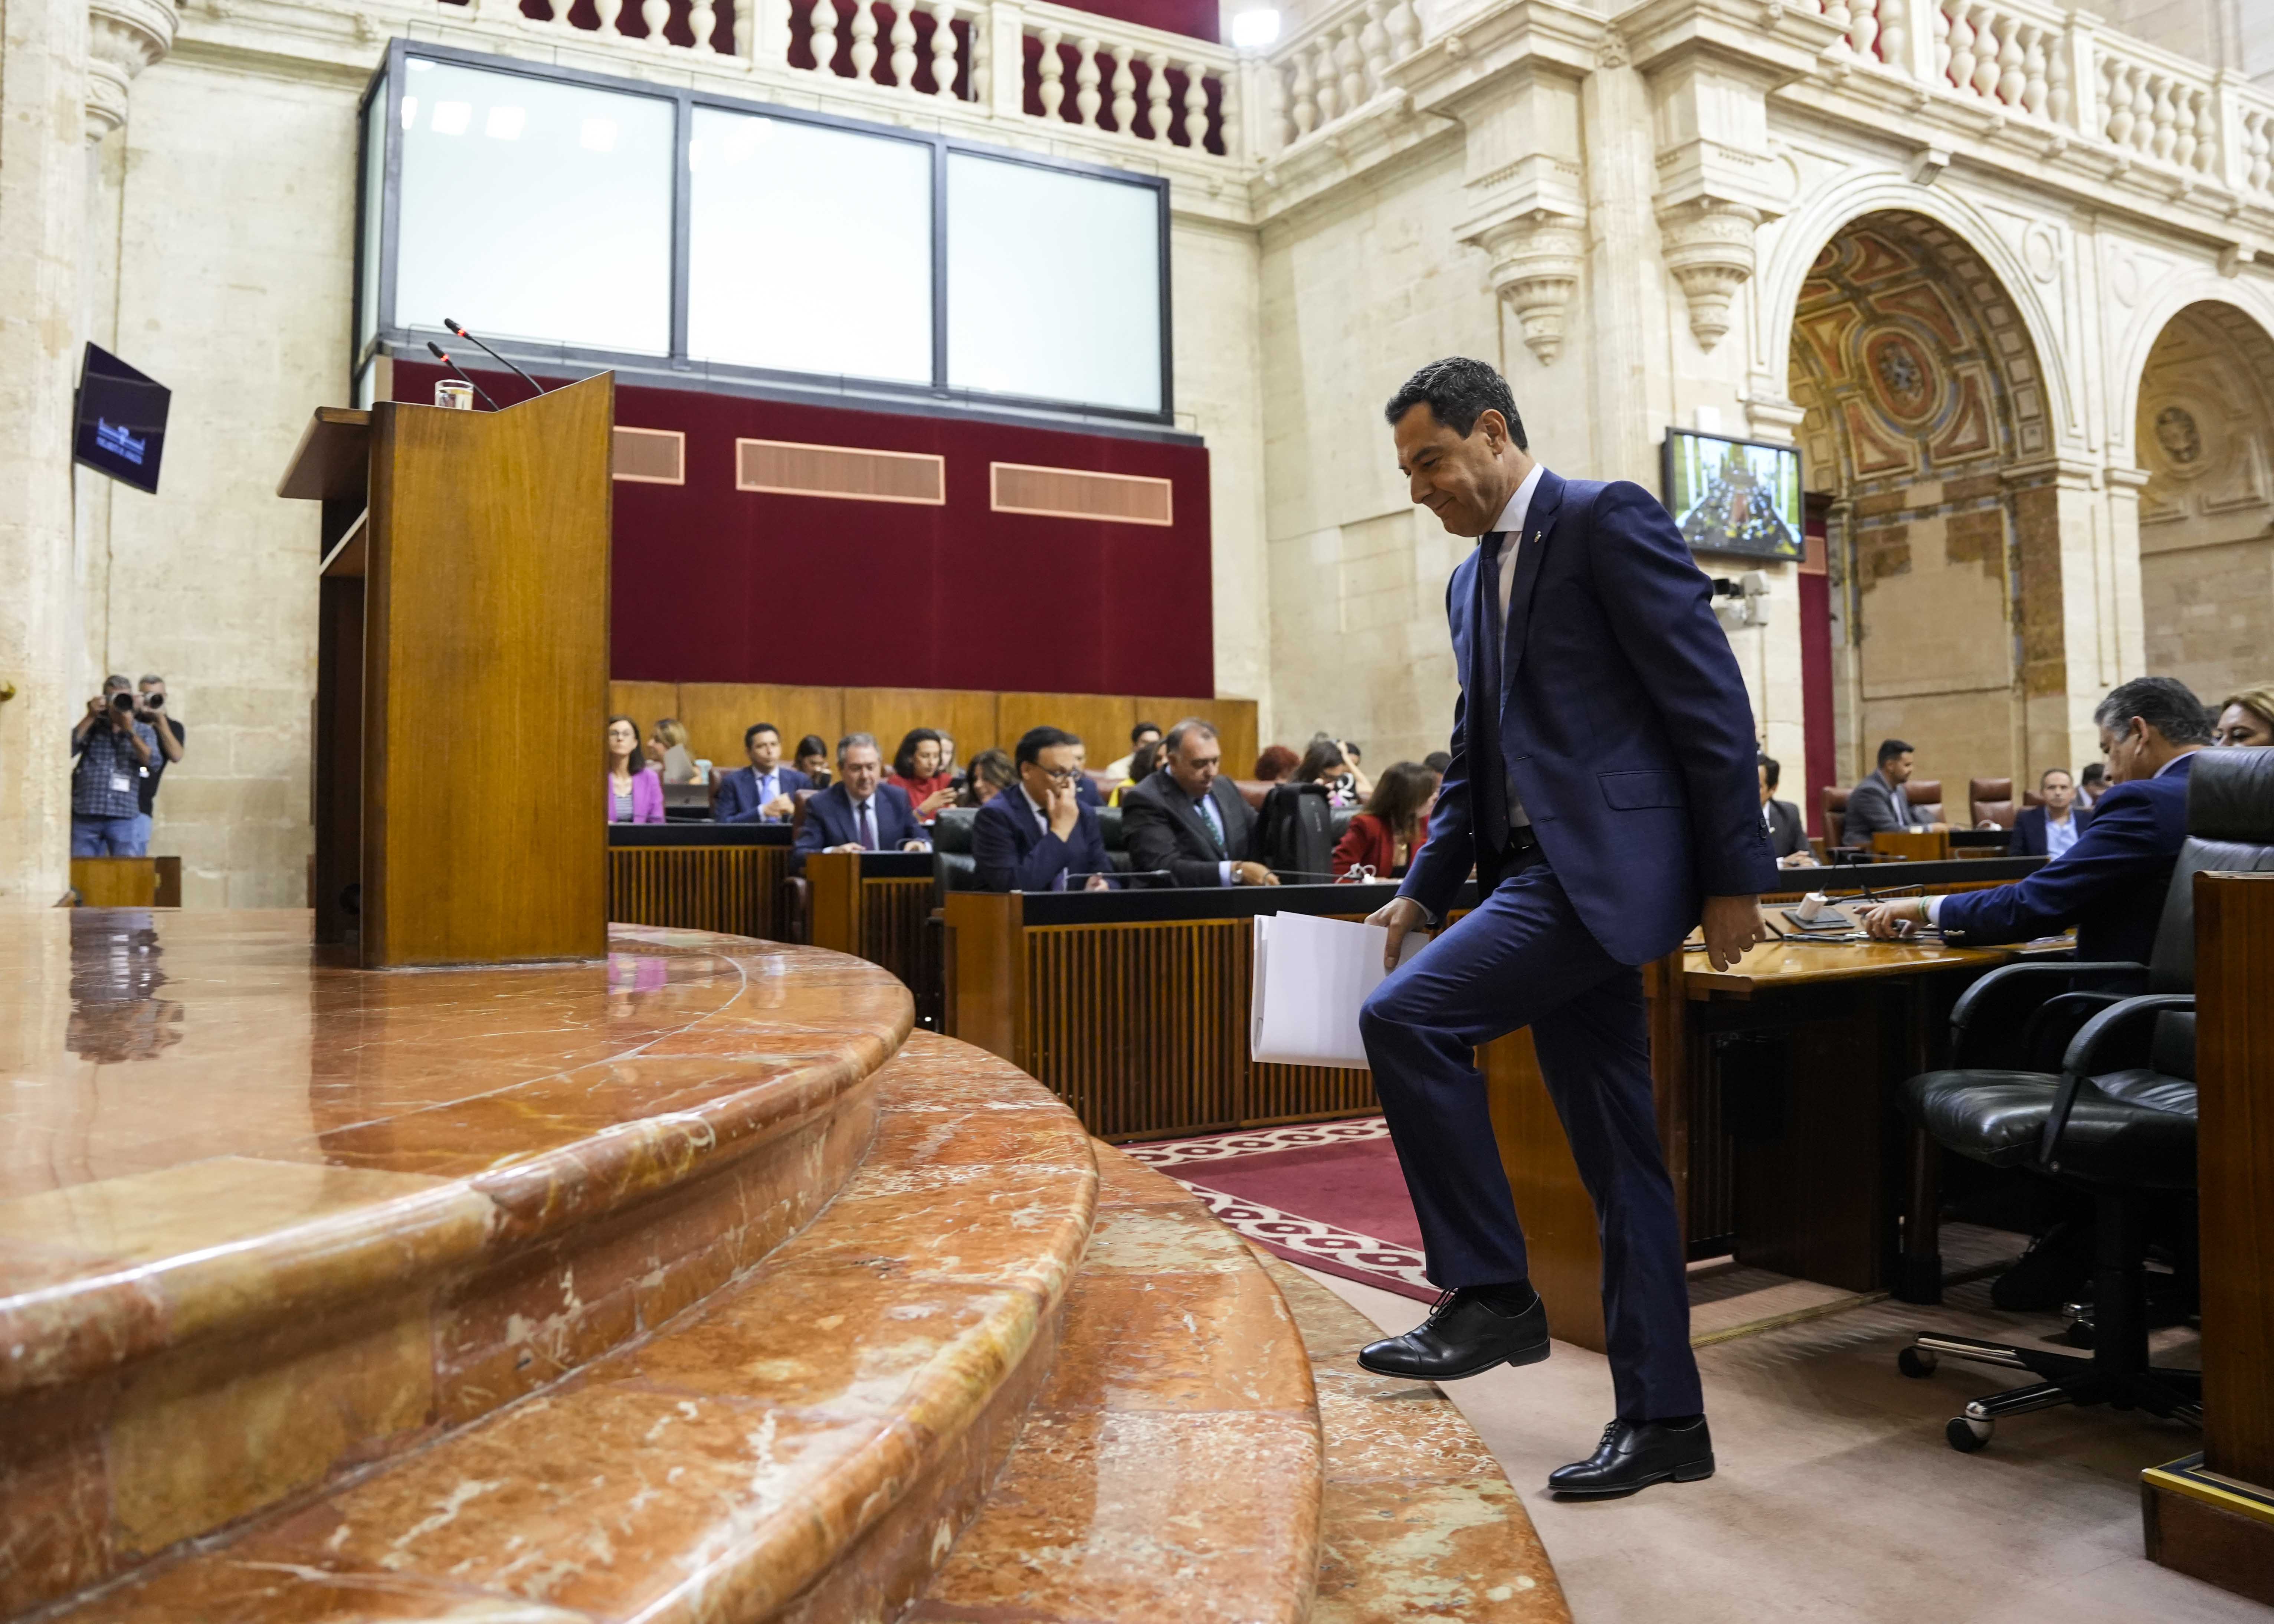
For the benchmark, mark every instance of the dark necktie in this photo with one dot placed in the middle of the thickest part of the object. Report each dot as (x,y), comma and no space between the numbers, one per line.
(1487,773)
(1207,814)
(868,828)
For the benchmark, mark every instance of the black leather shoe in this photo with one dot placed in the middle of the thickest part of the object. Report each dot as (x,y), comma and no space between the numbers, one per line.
(1633,1456)
(1464,1335)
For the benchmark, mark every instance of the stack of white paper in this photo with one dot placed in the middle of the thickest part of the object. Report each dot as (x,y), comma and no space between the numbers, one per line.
(1311,976)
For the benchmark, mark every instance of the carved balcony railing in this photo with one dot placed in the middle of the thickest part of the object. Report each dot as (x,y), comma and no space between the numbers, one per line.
(2035,64)
(1333,65)
(1110,79)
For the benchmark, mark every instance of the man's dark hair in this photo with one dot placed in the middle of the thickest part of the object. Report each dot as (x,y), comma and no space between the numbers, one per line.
(1458,391)
(2165,703)
(1034,741)
(2093,773)
(1173,739)
(1769,768)
(755,729)
(1889,748)
(1439,762)
(1137,734)
(2049,772)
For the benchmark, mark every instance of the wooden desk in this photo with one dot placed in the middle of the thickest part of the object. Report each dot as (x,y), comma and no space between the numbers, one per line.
(2212,1514)
(117,882)
(726,877)
(877,905)
(1919,846)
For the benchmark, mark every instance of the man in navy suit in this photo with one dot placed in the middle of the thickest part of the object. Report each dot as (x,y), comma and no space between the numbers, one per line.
(1602,783)
(765,792)
(2049,831)
(860,812)
(1037,834)
(2110,885)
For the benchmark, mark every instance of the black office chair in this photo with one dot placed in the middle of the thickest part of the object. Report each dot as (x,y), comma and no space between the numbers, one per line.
(2117,1121)
(952,865)
(1116,838)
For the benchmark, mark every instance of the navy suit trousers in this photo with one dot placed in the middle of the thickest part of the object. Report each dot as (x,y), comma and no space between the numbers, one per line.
(1523,958)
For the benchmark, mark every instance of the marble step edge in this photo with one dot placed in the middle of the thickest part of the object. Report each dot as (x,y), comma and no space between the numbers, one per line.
(1170,1467)
(1418,1520)
(802,1445)
(225,1266)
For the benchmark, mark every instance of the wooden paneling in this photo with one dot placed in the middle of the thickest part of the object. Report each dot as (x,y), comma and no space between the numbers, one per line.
(336,869)
(1925,846)
(1234,720)
(892,933)
(1102,720)
(717,713)
(833,920)
(114,882)
(170,882)
(733,889)
(1560,1233)
(2234,1066)
(965,714)
(646,702)
(486,642)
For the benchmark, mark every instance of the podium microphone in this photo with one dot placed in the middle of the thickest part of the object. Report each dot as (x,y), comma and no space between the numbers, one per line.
(493,354)
(455,372)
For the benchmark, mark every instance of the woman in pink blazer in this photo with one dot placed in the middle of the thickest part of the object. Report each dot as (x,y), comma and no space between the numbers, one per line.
(635,793)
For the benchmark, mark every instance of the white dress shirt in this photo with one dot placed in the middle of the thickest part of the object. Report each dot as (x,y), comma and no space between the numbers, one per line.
(1511,521)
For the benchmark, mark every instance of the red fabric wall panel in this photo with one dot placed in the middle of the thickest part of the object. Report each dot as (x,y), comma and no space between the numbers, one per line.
(713,584)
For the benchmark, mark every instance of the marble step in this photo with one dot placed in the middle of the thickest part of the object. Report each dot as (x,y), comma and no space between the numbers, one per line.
(511,1173)
(1168,1470)
(803,1445)
(1172,1470)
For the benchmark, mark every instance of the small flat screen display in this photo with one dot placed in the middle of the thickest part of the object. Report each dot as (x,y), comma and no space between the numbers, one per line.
(120,421)
(1737,496)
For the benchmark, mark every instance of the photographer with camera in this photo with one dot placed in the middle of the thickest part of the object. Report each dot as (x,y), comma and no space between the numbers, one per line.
(113,747)
(171,737)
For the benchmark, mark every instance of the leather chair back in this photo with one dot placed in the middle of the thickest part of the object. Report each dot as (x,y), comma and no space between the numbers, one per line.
(797,817)
(1253,791)
(1109,828)
(1991,800)
(1835,813)
(2231,828)
(1925,798)
(952,867)
(1340,825)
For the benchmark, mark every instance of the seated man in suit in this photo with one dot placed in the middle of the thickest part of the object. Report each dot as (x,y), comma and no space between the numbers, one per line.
(1186,820)
(2091,785)
(1876,804)
(2110,884)
(1037,834)
(860,812)
(765,792)
(2051,828)
(1788,834)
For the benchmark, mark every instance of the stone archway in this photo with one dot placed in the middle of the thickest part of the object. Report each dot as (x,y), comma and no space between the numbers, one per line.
(1926,424)
(2205,435)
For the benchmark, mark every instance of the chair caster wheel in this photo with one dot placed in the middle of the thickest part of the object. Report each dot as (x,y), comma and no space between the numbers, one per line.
(1966,1436)
(1915,1362)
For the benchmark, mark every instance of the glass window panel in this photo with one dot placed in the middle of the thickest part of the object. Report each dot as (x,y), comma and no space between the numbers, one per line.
(809,248)
(375,182)
(1053,284)
(534,209)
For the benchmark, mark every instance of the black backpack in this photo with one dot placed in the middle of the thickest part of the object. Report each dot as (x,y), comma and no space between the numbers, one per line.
(1295,833)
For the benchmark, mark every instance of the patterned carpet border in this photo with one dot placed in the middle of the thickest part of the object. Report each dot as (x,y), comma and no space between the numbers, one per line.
(1255,1141)
(1320,1245)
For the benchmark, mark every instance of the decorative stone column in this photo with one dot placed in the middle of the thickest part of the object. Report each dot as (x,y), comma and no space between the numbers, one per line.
(123,37)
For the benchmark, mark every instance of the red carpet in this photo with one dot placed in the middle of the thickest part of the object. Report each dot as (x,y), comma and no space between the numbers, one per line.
(1328,1195)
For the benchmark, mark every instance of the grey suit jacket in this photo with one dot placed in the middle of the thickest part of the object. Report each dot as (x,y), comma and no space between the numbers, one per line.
(1164,832)
(1872,806)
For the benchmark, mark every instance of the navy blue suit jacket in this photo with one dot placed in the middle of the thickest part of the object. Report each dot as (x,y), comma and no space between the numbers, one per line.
(829,820)
(2029,830)
(2110,884)
(738,793)
(1624,722)
(1013,853)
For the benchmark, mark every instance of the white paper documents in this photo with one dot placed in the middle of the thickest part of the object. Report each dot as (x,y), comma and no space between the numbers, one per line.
(1311,976)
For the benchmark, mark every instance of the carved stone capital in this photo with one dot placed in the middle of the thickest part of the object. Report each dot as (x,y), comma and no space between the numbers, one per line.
(123,37)
(1537,258)
(1709,248)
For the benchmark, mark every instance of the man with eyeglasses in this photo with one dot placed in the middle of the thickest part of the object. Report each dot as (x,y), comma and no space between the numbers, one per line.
(1037,834)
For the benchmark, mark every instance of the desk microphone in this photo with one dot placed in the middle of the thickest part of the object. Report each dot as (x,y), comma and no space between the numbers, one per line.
(493,354)
(452,367)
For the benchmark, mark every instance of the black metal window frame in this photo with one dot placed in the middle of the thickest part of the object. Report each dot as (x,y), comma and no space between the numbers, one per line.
(387,80)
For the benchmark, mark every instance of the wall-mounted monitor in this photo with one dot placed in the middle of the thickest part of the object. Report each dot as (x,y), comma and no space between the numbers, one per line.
(119,426)
(1734,496)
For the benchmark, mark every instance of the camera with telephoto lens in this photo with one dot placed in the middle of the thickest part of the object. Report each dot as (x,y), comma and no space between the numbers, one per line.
(154,701)
(122,701)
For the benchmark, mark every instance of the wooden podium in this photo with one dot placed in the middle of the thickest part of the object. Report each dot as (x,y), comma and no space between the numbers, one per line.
(461,677)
